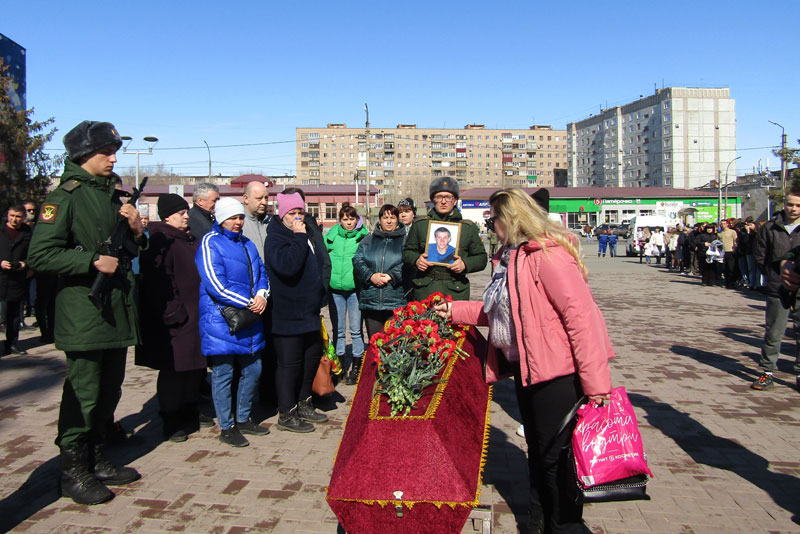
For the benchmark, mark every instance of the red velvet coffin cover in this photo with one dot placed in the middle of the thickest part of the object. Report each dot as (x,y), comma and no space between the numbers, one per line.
(435,455)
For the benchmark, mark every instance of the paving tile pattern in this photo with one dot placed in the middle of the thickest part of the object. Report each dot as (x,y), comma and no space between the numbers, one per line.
(724,456)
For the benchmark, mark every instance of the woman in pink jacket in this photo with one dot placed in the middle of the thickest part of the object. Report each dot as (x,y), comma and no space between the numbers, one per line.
(545,326)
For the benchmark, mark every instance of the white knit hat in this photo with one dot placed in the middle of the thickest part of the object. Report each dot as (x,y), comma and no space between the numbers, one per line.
(226,208)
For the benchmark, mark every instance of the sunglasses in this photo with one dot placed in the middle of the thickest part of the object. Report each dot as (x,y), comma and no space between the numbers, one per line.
(490,223)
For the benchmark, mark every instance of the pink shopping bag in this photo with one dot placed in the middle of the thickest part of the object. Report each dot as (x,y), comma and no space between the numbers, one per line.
(606,442)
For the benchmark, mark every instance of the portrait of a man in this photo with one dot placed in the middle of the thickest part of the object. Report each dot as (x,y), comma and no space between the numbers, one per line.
(442,243)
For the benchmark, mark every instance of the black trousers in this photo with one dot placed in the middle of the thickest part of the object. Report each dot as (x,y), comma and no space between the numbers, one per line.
(46,305)
(178,390)
(708,271)
(729,268)
(297,361)
(556,505)
(12,320)
(375,319)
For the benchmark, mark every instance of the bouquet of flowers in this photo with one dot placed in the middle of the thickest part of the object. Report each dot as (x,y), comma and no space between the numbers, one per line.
(413,348)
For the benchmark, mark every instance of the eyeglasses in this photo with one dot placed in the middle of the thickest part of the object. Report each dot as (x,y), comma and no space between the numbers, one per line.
(444,198)
(490,223)
(31,211)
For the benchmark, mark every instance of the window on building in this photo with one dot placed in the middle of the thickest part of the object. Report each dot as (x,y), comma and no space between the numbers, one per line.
(330,211)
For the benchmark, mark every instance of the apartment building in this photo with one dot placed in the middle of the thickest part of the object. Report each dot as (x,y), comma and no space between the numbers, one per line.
(680,137)
(402,161)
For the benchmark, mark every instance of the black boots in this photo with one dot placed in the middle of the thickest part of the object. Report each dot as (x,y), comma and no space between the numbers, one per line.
(109,474)
(306,412)
(352,376)
(291,421)
(77,482)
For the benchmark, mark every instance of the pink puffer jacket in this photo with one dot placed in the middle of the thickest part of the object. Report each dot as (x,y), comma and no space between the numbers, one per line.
(560,330)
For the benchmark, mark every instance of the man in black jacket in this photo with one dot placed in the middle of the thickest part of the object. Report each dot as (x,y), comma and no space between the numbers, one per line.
(773,241)
(15,237)
(201,216)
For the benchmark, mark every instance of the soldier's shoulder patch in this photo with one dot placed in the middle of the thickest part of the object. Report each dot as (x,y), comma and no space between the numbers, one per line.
(70,185)
(48,214)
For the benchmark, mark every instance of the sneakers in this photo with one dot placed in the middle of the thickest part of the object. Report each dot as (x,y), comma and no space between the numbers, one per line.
(764,382)
(250,427)
(233,437)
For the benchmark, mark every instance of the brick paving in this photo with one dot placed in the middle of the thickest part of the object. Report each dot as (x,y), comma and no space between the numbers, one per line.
(724,457)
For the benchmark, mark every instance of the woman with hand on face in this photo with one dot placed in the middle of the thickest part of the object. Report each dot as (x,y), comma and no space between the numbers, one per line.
(232,274)
(296,272)
(543,320)
(341,242)
(378,269)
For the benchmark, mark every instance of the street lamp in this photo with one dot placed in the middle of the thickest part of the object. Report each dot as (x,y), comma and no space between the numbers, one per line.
(209,160)
(783,154)
(149,140)
(726,183)
(369,188)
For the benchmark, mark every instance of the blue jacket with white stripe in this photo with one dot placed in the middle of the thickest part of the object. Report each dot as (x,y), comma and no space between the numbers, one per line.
(222,263)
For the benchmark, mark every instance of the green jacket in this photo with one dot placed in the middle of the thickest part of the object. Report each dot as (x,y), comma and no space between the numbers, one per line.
(75,219)
(438,278)
(342,245)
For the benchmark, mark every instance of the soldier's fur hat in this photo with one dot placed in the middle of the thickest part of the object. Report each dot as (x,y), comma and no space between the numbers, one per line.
(90,136)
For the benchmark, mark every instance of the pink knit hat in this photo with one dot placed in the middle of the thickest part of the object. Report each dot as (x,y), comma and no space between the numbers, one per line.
(287,203)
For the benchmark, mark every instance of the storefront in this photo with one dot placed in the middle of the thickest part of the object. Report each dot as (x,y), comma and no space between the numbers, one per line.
(598,205)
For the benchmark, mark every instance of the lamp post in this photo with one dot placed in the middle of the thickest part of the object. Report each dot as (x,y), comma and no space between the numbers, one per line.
(209,160)
(125,150)
(783,154)
(726,183)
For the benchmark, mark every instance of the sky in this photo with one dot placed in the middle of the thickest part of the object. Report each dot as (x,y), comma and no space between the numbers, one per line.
(250,72)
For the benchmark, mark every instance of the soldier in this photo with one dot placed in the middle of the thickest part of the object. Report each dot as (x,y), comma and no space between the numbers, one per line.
(75,221)
(450,280)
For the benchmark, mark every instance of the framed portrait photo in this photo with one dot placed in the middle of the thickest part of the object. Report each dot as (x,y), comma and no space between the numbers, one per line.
(443,242)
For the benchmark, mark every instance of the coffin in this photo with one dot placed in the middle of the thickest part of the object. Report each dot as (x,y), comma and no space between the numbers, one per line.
(434,456)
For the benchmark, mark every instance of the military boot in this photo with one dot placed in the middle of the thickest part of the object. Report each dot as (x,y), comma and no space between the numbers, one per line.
(77,482)
(306,412)
(107,473)
(291,421)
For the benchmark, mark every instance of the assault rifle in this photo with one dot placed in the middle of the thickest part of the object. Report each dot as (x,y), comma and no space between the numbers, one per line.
(120,246)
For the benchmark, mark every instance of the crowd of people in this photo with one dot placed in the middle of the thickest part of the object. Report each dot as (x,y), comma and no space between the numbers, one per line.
(714,252)
(226,286)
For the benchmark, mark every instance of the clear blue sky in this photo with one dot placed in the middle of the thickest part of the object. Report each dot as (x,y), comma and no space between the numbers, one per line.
(253,71)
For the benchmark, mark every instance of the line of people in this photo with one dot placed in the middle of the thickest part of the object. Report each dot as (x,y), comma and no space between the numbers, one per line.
(223,286)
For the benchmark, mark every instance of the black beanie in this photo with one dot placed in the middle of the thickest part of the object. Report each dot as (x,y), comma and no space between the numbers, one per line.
(90,136)
(169,203)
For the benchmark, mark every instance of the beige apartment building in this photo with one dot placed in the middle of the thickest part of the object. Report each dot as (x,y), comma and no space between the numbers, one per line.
(402,161)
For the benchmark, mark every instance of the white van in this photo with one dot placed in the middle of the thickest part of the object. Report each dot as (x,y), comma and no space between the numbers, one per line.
(644,221)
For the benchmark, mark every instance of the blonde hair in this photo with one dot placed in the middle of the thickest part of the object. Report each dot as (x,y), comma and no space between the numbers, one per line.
(525,220)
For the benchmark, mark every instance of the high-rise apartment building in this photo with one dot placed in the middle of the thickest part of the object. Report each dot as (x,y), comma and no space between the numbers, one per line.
(402,161)
(680,137)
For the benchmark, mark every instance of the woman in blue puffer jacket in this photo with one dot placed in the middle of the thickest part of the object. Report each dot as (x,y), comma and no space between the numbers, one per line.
(225,261)
(378,270)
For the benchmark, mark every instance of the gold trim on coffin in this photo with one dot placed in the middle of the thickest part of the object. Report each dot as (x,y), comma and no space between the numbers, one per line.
(430,412)
(438,504)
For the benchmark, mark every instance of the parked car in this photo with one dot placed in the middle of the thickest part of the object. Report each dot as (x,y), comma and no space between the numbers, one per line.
(622,230)
(611,227)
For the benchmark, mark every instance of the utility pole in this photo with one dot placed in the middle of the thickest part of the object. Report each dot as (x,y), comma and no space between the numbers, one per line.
(369,185)
(726,183)
(783,156)
(719,201)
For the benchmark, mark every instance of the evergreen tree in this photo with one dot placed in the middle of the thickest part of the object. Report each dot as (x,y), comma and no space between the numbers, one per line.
(25,168)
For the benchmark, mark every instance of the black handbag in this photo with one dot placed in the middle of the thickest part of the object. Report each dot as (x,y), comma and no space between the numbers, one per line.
(240,318)
(625,489)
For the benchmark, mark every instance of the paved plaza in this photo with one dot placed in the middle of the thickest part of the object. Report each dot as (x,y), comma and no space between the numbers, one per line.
(725,457)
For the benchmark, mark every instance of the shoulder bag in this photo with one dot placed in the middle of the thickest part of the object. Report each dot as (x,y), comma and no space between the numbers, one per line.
(240,318)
